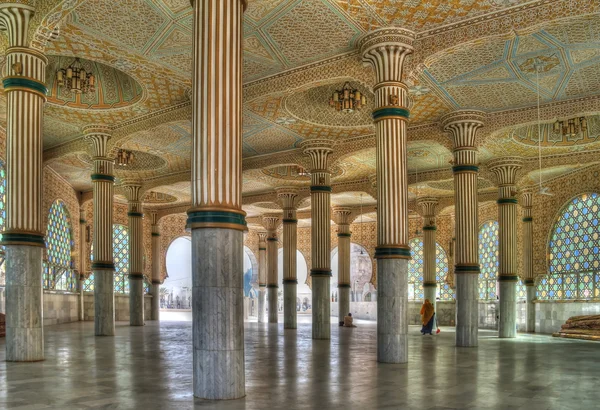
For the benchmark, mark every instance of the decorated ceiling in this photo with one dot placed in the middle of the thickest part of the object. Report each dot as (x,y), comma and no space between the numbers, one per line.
(504,57)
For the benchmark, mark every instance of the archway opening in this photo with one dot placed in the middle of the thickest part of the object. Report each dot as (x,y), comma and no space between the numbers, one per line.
(361,274)
(176,291)
(303,291)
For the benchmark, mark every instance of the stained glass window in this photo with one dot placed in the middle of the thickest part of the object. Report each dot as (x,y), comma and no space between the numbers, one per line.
(2,217)
(574,252)
(58,272)
(415,272)
(488,260)
(120,259)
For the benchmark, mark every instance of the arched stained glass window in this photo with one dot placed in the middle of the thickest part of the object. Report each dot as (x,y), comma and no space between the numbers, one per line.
(488,260)
(58,272)
(574,252)
(415,272)
(2,217)
(120,259)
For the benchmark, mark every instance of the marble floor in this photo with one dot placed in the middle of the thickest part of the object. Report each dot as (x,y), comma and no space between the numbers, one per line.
(149,368)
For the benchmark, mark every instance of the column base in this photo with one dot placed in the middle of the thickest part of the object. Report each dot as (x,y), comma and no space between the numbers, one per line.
(104,302)
(80,301)
(262,296)
(136,302)
(218,314)
(24,304)
(273,305)
(321,307)
(530,324)
(343,302)
(155,308)
(507,326)
(289,305)
(392,311)
(467,309)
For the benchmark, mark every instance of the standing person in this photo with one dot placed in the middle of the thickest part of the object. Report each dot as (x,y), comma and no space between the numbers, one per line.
(427,317)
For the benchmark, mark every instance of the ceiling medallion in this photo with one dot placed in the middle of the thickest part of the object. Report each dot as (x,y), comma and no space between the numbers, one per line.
(154,197)
(75,79)
(539,64)
(347,99)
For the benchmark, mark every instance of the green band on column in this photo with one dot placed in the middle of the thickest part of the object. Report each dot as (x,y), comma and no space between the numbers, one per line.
(271,239)
(343,285)
(390,112)
(508,278)
(30,239)
(320,188)
(466,269)
(290,221)
(528,219)
(136,276)
(103,177)
(320,272)
(155,234)
(430,285)
(272,286)
(135,214)
(20,82)
(430,228)
(262,285)
(344,235)
(103,266)
(155,282)
(82,221)
(216,218)
(292,281)
(529,282)
(392,252)
(507,201)
(262,249)
(465,168)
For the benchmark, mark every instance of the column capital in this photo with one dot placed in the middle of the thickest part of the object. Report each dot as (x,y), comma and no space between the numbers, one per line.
(132,193)
(505,169)
(319,152)
(428,206)
(15,18)
(271,223)
(288,197)
(262,238)
(463,126)
(244,4)
(385,49)
(342,215)
(153,218)
(98,136)
(527,199)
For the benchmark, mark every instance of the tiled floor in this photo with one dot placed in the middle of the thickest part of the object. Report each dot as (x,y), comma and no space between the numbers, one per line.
(150,368)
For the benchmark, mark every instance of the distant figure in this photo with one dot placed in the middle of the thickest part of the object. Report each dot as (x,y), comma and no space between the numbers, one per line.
(348,321)
(427,317)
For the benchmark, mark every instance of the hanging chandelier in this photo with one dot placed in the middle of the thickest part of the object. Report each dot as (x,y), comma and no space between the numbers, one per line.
(571,127)
(75,79)
(347,99)
(124,157)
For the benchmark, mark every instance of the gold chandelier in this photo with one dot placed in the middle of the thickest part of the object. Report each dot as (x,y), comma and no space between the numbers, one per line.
(347,99)
(75,79)
(571,127)
(124,157)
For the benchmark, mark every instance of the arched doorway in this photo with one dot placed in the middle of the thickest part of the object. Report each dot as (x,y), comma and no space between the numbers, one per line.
(176,291)
(361,273)
(303,292)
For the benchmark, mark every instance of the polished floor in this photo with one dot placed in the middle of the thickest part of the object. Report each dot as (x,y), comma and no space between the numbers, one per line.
(150,368)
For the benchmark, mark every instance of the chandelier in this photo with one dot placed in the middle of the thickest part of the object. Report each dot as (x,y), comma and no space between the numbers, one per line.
(571,127)
(347,99)
(124,157)
(75,79)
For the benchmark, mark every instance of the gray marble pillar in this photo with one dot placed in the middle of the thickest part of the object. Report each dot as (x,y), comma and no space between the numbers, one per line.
(530,323)
(24,304)
(218,306)
(155,306)
(81,300)
(468,310)
(273,305)
(321,312)
(262,296)
(429,292)
(289,303)
(136,301)
(104,302)
(507,323)
(343,301)
(392,311)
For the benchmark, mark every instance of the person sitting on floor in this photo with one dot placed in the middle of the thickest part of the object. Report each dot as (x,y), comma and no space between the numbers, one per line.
(348,321)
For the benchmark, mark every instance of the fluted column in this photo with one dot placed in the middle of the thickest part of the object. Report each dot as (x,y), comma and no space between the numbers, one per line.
(156,258)
(83,256)
(319,152)
(262,276)
(462,127)
(271,223)
(505,170)
(102,265)
(136,253)
(386,49)
(428,209)
(343,218)
(528,276)
(216,218)
(25,90)
(288,197)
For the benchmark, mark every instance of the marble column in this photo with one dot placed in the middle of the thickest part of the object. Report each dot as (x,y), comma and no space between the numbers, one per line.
(528,275)
(428,210)
(136,253)
(156,258)
(386,49)
(23,237)
(103,266)
(343,217)
(83,256)
(462,127)
(262,276)
(288,198)
(271,223)
(505,170)
(216,218)
(319,152)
